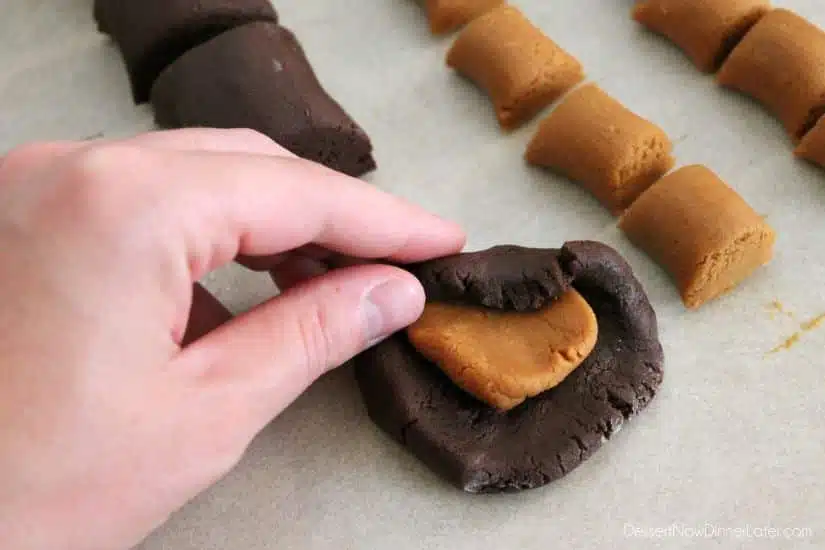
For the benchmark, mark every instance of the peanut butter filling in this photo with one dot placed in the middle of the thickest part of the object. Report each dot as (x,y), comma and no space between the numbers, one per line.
(503,358)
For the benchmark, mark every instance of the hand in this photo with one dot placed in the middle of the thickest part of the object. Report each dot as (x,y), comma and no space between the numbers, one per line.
(112,413)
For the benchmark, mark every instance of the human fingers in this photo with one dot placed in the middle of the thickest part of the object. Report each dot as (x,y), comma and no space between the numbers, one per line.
(254,205)
(296,269)
(269,356)
(293,268)
(36,156)
(236,140)
(239,140)
(273,261)
(296,266)
(206,314)
(329,258)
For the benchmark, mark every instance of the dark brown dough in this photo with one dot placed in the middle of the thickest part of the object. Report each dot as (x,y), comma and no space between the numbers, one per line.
(151,34)
(257,76)
(480,450)
(503,277)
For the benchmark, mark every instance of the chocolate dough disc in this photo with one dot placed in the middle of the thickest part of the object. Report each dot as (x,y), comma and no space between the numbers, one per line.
(504,277)
(151,34)
(257,76)
(472,445)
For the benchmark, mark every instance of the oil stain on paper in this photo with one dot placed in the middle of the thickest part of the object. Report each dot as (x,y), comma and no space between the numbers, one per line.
(775,308)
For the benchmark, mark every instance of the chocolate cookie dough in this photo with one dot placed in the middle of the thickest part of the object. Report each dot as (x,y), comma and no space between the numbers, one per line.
(153,33)
(257,76)
(473,445)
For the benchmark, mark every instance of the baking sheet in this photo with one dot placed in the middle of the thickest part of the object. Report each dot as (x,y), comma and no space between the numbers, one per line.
(732,445)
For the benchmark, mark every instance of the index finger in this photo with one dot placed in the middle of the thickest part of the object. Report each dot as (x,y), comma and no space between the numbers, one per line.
(259,205)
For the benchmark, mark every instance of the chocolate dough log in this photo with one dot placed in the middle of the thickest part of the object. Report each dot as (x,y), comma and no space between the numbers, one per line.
(151,34)
(481,450)
(257,76)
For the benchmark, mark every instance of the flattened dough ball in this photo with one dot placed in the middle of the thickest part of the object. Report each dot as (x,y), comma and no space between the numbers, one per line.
(151,34)
(812,146)
(700,231)
(594,140)
(781,64)
(483,450)
(448,15)
(520,68)
(706,30)
(504,357)
(257,76)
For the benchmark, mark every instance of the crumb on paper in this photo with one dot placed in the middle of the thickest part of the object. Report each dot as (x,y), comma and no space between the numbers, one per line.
(776,307)
(787,344)
(807,326)
(813,323)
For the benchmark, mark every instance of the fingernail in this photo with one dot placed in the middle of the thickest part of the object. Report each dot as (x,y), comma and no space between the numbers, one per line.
(391,306)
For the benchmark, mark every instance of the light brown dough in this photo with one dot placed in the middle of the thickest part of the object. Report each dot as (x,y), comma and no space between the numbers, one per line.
(812,146)
(706,30)
(781,64)
(503,357)
(594,140)
(448,15)
(700,231)
(520,68)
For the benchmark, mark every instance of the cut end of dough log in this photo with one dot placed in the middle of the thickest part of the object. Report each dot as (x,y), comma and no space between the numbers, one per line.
(726,268)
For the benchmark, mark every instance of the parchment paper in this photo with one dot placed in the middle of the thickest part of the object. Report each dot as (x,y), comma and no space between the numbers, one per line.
(732,445)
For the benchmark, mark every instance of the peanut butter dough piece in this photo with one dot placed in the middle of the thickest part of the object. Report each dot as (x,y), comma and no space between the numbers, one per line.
(593,139)
(520,68)
(701,231)
(706,30)
(781,64)
(448,15)
(502,357)
(812,146)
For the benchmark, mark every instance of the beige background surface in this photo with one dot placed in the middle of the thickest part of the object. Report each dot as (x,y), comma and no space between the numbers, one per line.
(736,437)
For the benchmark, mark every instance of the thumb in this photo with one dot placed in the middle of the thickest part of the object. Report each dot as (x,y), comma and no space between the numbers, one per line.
(267,357)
